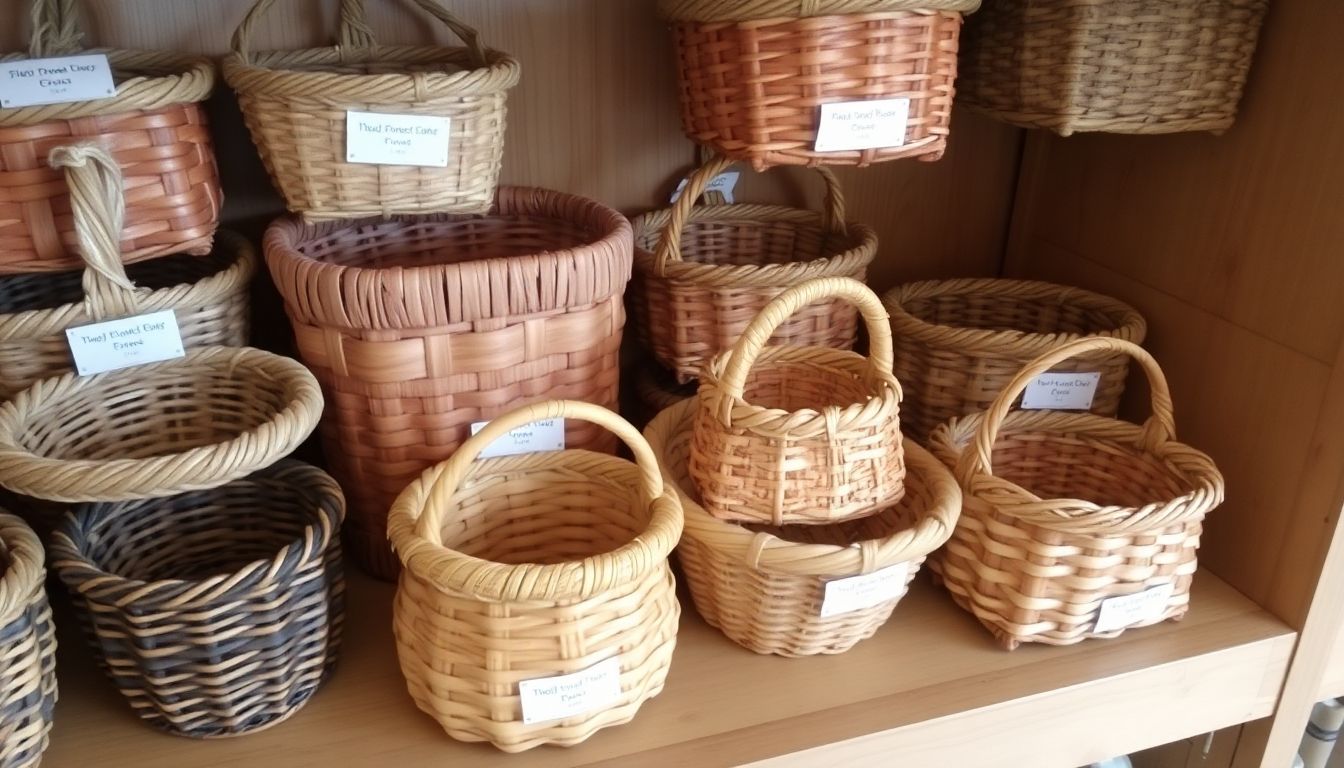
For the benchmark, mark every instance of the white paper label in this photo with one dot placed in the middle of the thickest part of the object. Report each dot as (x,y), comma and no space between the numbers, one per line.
(382,139)
(55,81)
(724,184)
(1061,391)
(1127,610)
(858,592)
(127,341)
(862,125)
(545,435)
(562,696)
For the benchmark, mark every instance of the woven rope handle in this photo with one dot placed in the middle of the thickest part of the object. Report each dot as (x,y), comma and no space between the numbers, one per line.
(55,28)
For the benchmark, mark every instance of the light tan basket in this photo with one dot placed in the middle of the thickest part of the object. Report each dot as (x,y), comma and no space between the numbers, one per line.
(27,648)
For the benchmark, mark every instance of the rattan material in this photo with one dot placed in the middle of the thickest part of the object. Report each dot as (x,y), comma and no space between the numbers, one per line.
(703,273)
(295,105)
(959,342)
(1121,66)
(1064,510)
(215,612)
(790,435)
(763,586)
(534,566)
(27,648)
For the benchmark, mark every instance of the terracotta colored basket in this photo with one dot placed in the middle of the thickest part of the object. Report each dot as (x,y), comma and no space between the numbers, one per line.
(959,342)
(155,128)
(420,327)
(1120,66)
(530,567)
(295,105)
(765,587)
(800,434)
(1064,511)
(216,612)
(703,273)
(27,648)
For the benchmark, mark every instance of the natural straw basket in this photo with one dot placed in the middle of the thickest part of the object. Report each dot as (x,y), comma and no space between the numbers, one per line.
(1121,66)
(754,74)
(1066,510)
(295,105)
(533,566)
(155,128)
(959,342)
(27,648)
(800,434)
(216,612)
(764,586)
(705,272)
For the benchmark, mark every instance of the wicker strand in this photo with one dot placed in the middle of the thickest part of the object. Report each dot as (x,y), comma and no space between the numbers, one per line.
(748,10)
(27,647)
(55,28)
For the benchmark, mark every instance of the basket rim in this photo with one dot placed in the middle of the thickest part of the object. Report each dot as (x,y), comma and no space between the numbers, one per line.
(275,74)
(756,10)
(22,580)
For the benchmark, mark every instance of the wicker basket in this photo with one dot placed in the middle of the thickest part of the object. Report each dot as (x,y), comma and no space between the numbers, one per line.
(1121,66)
(765,587)
(27,648)
(295,104)
(800,434)
(1064,511)
(530,567)
(216,612)
(155,128)
(959,342)
(703,273)
(754,74)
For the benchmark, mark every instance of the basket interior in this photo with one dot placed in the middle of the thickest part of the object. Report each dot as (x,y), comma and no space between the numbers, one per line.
(1056,465)
(1011,313)
(748,241)
(399,60)
(446,240)
(796,385)
(25,293)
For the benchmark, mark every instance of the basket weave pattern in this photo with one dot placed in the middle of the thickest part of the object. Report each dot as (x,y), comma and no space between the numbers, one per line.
(27,648)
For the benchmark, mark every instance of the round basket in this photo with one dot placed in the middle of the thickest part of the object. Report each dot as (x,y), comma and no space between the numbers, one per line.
(297,104)
(1065,511)
(215,612)
(522,569)
(800,434)
(27,648)
(703,273)
(959,342)
(765,587)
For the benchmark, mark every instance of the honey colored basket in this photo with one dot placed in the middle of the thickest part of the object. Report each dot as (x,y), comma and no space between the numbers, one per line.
(295,104)
(765,587)
(1065,512)
(27,648)
(703,273)
(523,569)
(959,342)
(788,435)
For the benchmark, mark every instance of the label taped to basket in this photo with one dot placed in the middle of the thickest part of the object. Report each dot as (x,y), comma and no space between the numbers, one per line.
(1128,610)
(562,696)
(59,80)
(544,435)
(851,125)
(378,138)
(724,184)
(858,592)
(1061,391)
(125,342)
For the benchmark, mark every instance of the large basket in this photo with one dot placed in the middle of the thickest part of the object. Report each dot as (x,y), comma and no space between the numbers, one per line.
(295,105)
(703,273)
(216,612)
(1064,511)
(754,74)
(27,648)
(154,126)
(420,327)
(765,587)
(959,342)
(800,434)
(530,567)
(1121,66)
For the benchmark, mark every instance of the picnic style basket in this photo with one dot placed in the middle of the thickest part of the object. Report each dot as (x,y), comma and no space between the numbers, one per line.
(523,568)
(27,647)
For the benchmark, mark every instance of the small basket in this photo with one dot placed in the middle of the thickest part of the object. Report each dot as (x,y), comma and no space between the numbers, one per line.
(800,434)
(1064,511)
(530,567)
(765,587)
(1120,66)
(216,612)
(296,103)
(959,342)
(27,648)
(703,273)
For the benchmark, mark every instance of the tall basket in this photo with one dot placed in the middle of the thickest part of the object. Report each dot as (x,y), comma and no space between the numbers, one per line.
(27,648)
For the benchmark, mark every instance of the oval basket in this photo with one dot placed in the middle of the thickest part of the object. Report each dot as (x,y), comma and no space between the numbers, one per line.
(27,647)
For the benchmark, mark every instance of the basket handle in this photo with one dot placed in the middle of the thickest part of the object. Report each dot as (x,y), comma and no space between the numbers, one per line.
(55,28)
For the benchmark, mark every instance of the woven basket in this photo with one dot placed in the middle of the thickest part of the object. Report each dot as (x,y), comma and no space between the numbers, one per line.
(705,272)
(1121,66)
(295,105)
(1064,511)
(959,342)
(754,74)
(764,586)
(530,567)
(155,128)
(800,434)
(27,648)
(216,612)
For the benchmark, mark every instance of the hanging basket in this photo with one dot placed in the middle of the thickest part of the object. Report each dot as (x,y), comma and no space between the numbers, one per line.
(27,648)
